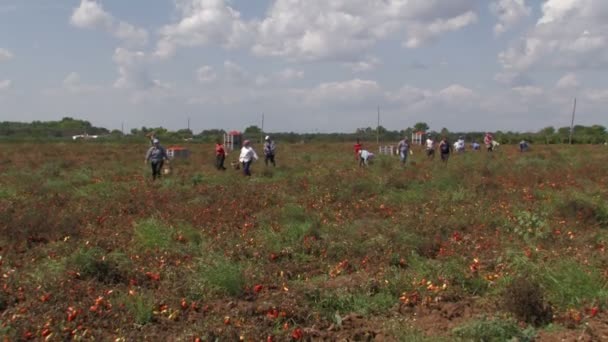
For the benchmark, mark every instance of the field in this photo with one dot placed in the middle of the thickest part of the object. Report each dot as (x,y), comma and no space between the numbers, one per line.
(488,247)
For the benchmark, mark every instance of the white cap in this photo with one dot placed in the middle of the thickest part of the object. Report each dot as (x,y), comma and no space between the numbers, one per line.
(267,137)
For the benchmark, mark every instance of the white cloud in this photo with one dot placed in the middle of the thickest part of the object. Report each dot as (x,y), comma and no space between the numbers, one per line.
(203,22)
(5,84)
(347,93)
(569,81)
(91,15)
(132,70)
(290,74)
(314,29)
(597,95)
(5,55)
(73,84)
(235,74)
(367,64)
(509,13)
(528,91)
(569,34)
(206,74)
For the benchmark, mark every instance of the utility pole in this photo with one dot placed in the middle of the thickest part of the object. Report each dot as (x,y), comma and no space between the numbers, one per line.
(572,123)
(188,124)
(378,128)
(122,127)
(262,133)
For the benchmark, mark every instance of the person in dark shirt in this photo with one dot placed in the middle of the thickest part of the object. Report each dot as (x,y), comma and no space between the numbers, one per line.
(156,156)
(220,156)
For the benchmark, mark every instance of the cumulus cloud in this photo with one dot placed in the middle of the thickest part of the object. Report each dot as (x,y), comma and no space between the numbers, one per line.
(569,34)
(509,13)
(5,84)
(73,84)
(528,91)
(367,64)
(314,29)
(132,70)
(568,81)
(203,22)
(289,74)
(346,93)
(5,55)
(91,15)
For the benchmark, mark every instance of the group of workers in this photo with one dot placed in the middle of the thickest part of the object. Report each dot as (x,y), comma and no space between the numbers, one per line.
(444,146)
(157,156)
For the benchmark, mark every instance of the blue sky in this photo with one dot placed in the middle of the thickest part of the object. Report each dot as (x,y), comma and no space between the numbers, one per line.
(308,65)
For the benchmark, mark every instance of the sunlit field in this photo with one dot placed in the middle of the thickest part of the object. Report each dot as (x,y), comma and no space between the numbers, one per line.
(490,246)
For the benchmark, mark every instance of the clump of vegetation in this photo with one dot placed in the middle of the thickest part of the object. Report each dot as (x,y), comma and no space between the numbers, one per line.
(493,330)
(524,298)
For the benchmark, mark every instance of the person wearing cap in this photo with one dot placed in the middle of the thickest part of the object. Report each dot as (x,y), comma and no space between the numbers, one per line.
(459,145)
(247,157)
(220,156)
(156,156)
(269,151)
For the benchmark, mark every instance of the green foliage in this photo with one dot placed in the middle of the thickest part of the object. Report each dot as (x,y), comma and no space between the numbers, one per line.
(569,284)
(151,234)
(197,179)
(531,226)
(92,263)
(141,308)
(490,330)
(221,276)
(333,304)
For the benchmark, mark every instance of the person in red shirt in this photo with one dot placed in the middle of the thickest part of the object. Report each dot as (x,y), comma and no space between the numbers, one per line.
(358,147)
(220,156)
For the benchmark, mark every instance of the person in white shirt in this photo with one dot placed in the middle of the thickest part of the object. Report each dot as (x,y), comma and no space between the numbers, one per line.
(430,147)
(365,157)
(247,157)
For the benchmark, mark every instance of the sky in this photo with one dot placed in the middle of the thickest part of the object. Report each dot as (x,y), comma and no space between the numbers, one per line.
(305,65)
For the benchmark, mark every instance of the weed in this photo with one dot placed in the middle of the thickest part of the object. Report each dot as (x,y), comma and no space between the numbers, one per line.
(333,304)
(222,276)
(141,307)
(524,298)
(93,264)
(489,330)
(569,284)
(197,179)
(151,234)
(531,226)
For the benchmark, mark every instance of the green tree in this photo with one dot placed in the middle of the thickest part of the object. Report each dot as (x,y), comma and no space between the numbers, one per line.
(421,127)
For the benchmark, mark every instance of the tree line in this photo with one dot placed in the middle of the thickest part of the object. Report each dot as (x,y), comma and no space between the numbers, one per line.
(68,127)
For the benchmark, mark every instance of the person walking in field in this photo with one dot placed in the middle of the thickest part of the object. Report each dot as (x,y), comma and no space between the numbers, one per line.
(269,151)
(488,141)
(404,149)
(445,149)
(247,157)
(430,147)
(220,156)
(156,156)
(358,147)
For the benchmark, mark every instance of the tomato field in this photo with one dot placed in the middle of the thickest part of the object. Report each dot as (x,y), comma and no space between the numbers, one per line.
(490,246)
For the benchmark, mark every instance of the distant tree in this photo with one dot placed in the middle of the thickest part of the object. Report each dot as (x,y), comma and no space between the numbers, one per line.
(421,127)
(252,130)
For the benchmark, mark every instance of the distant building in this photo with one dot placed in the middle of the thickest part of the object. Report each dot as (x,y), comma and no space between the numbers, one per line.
(417,137)
(233,140)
